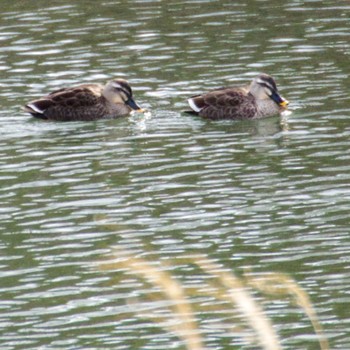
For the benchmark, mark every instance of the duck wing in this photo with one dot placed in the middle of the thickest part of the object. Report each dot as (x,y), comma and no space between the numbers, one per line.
(63,101)
(230,103)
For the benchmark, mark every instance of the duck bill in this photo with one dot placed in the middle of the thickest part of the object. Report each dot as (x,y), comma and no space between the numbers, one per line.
(282,102)
(133,105)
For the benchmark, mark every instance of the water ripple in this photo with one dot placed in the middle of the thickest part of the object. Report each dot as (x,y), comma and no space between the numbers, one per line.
(267,195)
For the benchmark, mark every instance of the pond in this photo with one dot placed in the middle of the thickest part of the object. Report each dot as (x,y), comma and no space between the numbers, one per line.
(165,190)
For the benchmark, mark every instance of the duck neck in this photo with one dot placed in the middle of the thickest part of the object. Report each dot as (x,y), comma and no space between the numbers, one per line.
(267,107)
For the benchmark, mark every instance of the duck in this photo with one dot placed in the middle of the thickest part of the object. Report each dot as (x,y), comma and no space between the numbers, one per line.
(86,102)
(257,100)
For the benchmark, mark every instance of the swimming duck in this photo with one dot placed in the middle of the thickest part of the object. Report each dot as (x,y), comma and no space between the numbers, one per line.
(260,99)
(85,102)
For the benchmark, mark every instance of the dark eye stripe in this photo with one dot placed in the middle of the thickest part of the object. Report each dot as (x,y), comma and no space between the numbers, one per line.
(271,83)
(267,82)
(126,92)
(267,85)
(126,88)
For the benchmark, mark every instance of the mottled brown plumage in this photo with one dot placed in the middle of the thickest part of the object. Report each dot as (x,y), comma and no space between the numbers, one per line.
(85,102)
(259,99)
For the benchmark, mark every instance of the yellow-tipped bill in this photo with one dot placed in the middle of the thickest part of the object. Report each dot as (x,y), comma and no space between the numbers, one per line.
(133,105)
(284,103)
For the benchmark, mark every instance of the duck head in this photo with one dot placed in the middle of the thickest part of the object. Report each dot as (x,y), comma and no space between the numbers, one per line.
(118,91)
(264,87)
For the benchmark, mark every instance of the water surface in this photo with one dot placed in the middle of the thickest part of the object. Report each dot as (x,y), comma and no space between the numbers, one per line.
(270,195)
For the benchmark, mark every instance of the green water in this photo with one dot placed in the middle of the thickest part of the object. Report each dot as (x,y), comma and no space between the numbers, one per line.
(270,195)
